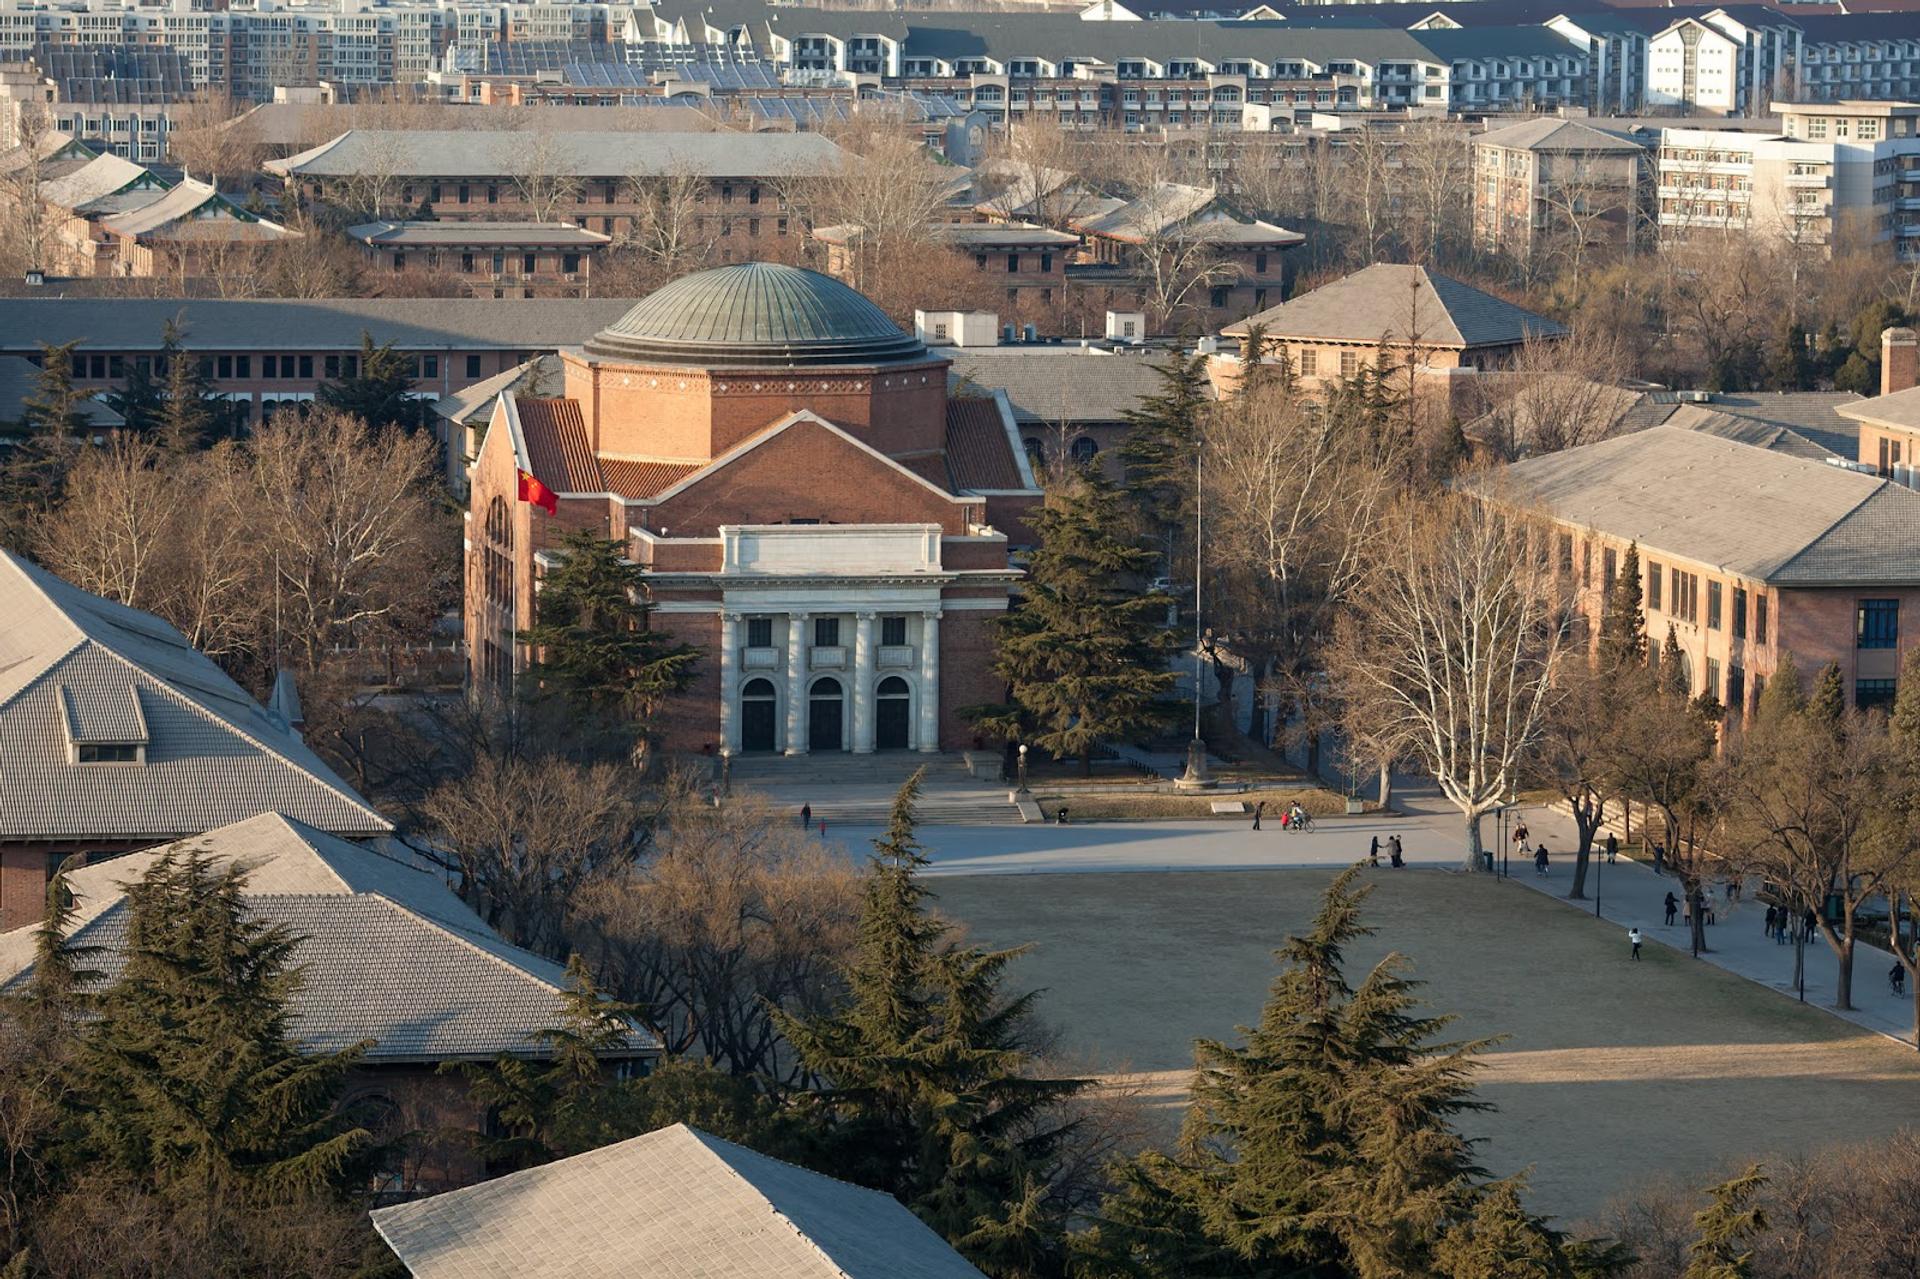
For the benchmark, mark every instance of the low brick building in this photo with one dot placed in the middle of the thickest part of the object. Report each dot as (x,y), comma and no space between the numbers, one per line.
(1385,316)
(1746,552)
(118,735)
(490,259)
(814,511)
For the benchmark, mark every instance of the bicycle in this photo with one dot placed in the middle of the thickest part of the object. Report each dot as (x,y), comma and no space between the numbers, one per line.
(1304,822)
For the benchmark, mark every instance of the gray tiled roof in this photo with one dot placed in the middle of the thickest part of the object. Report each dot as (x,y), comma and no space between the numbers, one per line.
(1756,512)
(100,177)
(19,379)
(1050,385)
(1902,409)
(1820,416)
(474,403)
(413,324)
(1373,304)
(389,952)
(1748,430)
(408,234)
(1550,133)
(673,1204)
(476,153)
(213,755)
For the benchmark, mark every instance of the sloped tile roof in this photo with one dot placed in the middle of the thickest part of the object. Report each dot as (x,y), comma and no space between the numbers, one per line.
(99,177)
(979,454)
(213,754)
(1553,134)
(175,216)
(1747,430)
(673,1204)
(1050,385)
(1378,302)
(1756,512)
(643,479)
(479,153)
(425,234)
(556,436)
(390,953)
(474,402)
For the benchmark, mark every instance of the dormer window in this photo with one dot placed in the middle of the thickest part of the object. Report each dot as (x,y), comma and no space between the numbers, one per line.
(104,725)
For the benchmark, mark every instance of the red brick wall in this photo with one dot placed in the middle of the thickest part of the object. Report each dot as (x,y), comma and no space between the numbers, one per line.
(803,473)
(966,672)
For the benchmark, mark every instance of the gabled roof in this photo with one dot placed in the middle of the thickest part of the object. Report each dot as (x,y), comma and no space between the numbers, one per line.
(1756,512)
(194,211)
(474,402)
(97,179)
(1902,409)
(1381,302)
(981,453)
(675,1202)
(387,951)
(480,153)
(212,754)
(1553,134)
(553,436)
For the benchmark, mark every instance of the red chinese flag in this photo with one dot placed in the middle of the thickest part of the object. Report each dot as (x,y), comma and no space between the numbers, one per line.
(532,490)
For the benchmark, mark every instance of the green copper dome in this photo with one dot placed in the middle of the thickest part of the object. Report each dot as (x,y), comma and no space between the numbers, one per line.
(756,315)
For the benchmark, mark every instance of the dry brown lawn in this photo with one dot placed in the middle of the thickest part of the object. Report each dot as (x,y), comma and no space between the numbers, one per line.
(1611,1075)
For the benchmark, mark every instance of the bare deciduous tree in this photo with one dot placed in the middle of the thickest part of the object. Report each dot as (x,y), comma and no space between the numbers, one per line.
(545,174)
(733,913)
(1451,645)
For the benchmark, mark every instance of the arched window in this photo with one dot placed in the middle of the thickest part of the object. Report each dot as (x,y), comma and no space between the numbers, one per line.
(893,721)
(758,688)
(894,686)
(1084,449)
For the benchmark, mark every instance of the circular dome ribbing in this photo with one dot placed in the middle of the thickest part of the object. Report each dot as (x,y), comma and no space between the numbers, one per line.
(756,315)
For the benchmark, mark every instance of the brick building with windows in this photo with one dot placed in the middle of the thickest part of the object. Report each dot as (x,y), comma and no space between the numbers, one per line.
(1385,317)
(815,511)
(490,259)
(1745,553)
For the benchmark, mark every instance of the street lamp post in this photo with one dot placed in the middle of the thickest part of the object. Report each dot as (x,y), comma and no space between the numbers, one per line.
(1023,768)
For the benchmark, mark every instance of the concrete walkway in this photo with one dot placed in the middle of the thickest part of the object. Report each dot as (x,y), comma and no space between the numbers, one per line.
(1432,836)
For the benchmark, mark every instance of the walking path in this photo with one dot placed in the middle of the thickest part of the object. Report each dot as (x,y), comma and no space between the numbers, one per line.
(1432,837)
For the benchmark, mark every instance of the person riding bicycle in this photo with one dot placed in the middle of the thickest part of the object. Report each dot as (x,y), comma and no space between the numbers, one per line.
(1296,816)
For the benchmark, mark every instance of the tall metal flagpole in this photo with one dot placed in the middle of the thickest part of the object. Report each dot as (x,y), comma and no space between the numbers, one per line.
(1196,775)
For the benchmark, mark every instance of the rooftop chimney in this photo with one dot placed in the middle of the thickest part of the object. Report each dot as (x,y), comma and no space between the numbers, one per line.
(1899,360)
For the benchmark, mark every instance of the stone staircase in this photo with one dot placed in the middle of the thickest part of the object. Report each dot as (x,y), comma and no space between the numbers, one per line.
(858,790)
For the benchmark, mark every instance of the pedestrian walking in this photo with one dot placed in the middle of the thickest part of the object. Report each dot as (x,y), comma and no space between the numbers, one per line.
(1633,936)
(1393,846)
(823,828)
(1686,910)
(1258,809)
(1521,834)
(1540,861)
(1773,918)
(1809,924)
(1897,978)
(1373,852)
(1780,928)
(806,816)
(1613,847)
(1659,858)
(1673,908)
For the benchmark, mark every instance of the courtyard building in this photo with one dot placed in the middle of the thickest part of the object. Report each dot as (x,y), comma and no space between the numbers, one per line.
(119,735)
(1544,184)
(816,512)
(489,259)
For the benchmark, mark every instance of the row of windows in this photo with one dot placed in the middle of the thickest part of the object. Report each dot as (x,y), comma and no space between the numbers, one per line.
(826,632)
(103,368)
(529,262)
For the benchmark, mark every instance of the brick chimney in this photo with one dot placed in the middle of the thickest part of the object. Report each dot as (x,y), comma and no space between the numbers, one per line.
(1899,360)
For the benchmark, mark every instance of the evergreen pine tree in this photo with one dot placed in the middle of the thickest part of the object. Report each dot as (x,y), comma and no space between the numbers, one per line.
(1085,654)
(1783,696)
(929,1094)
(1904,722)
(1163,436)
(54,407)
(188,422)
(1726,1225)
(377,391)
(1792,368)
(543,1107)
(139,400)
(1325,1146)
(1674,678)
(1827,705)
(595,650)
(1623,631)
(188,1078)
(1502,1240)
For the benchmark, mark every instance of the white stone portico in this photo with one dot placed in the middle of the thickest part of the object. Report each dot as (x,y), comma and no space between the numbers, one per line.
(830,637)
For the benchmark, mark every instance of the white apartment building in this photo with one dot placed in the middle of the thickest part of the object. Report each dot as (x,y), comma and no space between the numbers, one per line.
(1717,62)
(1835,172)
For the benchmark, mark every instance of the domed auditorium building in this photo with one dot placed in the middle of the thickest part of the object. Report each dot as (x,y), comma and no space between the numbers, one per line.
(814,510)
